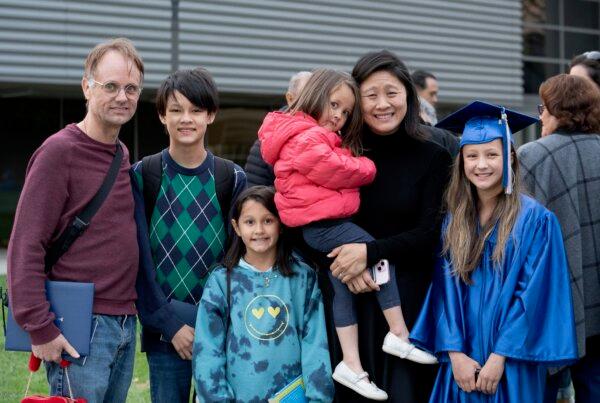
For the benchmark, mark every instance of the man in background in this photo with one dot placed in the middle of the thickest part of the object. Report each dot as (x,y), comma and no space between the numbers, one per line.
(427,89)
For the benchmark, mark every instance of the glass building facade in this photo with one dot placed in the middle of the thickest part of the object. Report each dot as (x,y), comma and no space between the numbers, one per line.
(554,31)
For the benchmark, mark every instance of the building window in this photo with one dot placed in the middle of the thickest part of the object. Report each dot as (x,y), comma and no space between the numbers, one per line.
(554,31)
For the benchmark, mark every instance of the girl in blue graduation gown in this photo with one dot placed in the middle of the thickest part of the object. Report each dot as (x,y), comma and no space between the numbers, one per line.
(499,311)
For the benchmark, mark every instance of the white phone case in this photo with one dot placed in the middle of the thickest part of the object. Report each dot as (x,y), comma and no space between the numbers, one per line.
(381,272)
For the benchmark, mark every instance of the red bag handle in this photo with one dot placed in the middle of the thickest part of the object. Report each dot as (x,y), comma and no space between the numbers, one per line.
(34,365)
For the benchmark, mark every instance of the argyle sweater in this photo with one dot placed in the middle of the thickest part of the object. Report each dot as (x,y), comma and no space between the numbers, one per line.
(185,239)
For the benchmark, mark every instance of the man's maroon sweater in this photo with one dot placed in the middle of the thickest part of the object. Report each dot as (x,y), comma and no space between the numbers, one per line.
(62,177)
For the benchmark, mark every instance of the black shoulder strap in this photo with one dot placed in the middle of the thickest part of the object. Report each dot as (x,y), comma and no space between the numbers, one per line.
(82,220)
(151,178)
(224,181)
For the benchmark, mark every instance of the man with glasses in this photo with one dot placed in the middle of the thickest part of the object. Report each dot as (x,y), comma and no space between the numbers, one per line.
(62,177)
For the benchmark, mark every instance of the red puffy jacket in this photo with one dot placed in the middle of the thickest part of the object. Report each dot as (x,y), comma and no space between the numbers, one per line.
(315,178)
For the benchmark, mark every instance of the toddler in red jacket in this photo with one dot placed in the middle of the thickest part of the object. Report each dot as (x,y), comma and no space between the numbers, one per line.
(315,150)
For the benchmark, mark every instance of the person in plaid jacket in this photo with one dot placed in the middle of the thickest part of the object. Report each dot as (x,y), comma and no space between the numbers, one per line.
(562,171)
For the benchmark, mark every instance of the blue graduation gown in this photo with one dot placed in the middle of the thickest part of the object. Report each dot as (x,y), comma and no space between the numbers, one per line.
(520,309)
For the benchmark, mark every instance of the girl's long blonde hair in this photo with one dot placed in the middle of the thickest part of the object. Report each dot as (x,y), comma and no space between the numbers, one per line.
(463,239)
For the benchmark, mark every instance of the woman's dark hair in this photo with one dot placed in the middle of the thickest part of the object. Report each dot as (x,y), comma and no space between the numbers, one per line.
(384,60)
(574,101)
(591,63)
(264,195)
(196,85)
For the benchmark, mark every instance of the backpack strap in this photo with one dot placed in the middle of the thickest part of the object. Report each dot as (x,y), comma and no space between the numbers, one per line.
(151,178)
(224,181)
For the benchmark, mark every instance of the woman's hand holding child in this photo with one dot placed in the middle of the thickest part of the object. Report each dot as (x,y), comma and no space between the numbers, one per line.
(350,261)
(350,267)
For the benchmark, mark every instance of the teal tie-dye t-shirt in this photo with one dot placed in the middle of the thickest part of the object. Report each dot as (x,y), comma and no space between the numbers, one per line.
(277,332)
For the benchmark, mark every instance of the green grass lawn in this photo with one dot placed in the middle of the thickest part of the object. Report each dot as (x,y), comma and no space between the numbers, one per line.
(14,374)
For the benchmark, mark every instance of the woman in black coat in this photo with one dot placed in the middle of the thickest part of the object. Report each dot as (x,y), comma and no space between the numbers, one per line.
(401,209)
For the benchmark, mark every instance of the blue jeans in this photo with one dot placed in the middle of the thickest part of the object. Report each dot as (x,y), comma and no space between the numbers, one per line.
(324,236)
(170,377)
(105,374)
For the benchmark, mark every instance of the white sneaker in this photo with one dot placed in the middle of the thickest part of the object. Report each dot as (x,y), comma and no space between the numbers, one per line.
(394,345)
(358,382)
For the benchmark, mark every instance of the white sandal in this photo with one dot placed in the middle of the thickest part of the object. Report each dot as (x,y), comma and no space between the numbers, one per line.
(358,382)
(394,345)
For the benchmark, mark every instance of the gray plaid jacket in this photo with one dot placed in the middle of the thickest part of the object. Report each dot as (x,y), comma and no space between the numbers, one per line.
(562,171)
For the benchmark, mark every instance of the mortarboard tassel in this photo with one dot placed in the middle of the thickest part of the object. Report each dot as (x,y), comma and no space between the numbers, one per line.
(506,167)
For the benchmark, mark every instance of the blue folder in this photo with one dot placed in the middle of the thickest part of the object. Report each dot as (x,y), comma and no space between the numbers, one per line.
(291,393)
(72,305)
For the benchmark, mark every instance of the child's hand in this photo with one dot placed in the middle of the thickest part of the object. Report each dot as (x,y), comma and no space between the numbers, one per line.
(463,369)
(183,341)
(490,374)
(350,261)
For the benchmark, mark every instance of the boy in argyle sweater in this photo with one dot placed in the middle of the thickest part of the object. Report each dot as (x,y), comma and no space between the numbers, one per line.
(184,235)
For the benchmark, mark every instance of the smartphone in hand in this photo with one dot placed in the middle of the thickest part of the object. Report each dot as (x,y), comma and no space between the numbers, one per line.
(381,272)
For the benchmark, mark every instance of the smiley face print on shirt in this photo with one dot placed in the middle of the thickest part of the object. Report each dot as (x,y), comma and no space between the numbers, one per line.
(266,317)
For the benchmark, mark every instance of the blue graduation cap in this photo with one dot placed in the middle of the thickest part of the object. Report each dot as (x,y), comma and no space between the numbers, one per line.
(480,122)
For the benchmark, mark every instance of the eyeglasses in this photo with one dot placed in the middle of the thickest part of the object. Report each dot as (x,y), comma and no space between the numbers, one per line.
(112,88)
(541,108)
(593,55)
